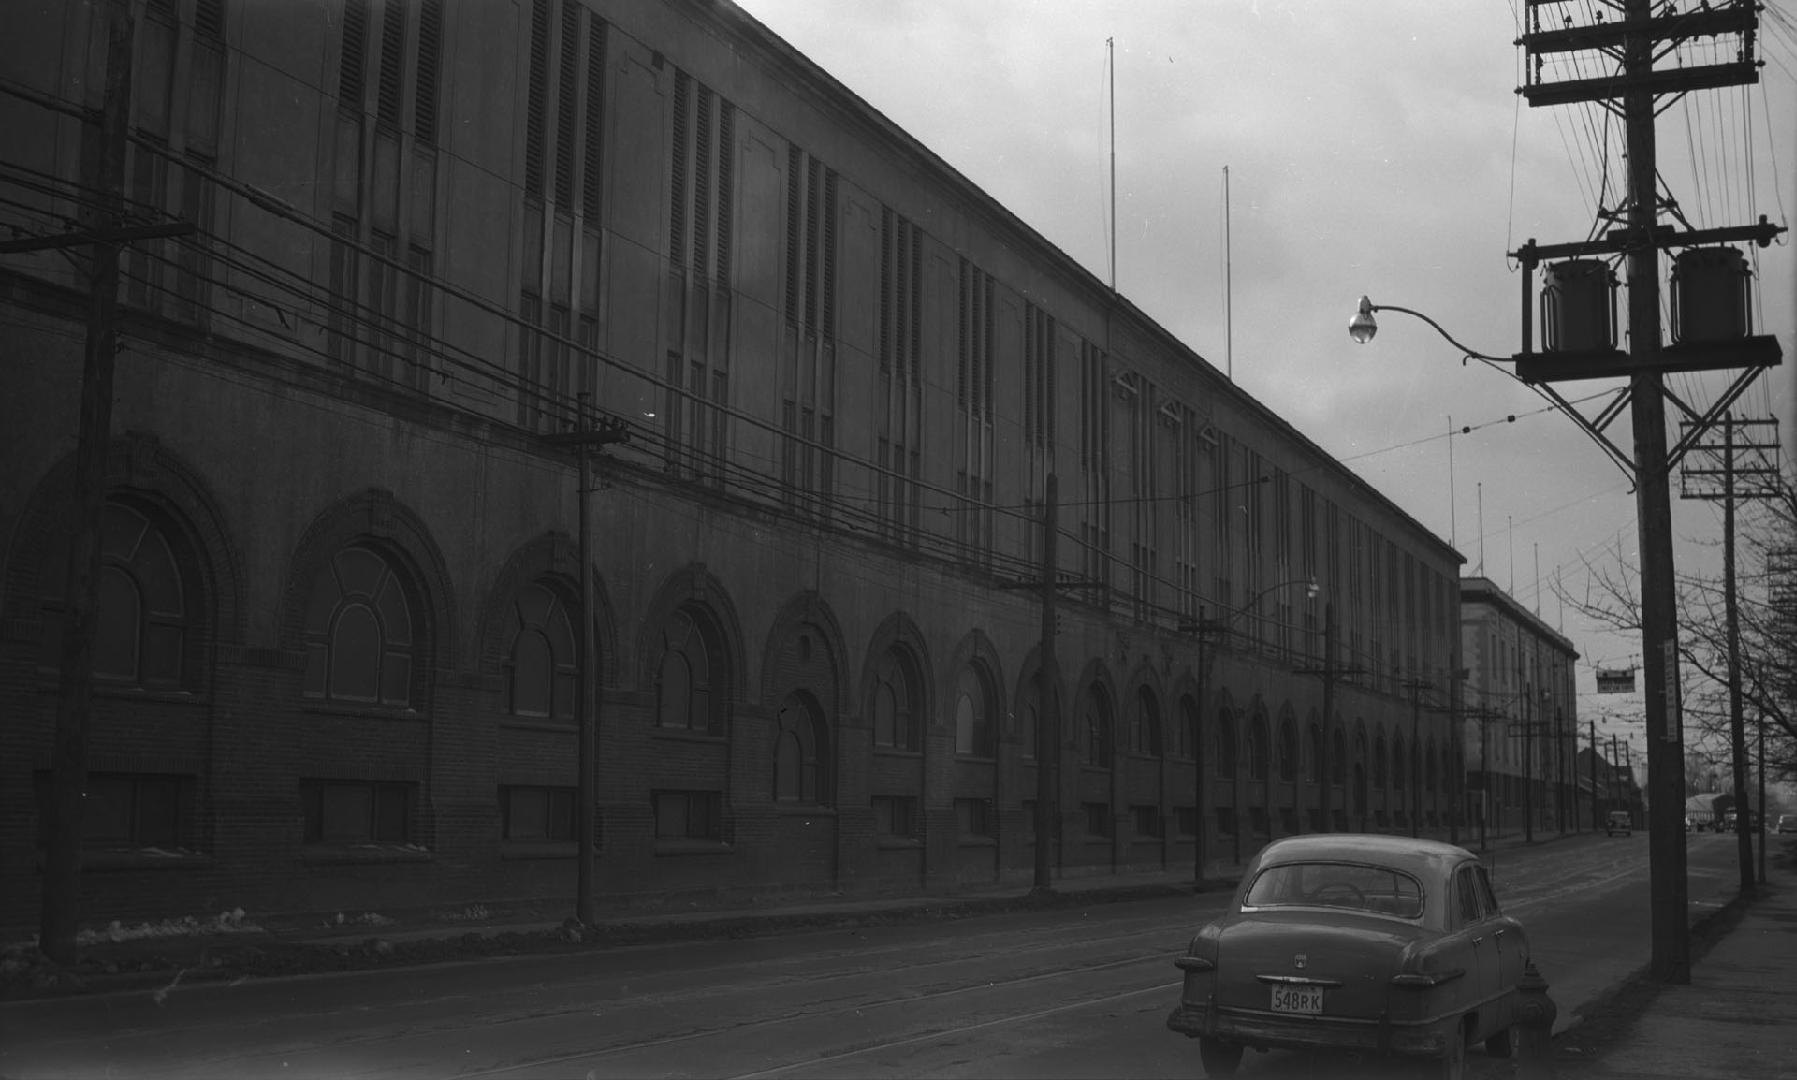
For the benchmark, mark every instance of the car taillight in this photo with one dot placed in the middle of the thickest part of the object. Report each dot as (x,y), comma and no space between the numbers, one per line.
(1194,963)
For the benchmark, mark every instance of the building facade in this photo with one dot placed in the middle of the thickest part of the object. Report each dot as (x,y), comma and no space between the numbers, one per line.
(1520,724)
(341,625)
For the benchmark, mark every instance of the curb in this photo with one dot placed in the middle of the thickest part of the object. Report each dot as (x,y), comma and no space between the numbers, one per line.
(266,956)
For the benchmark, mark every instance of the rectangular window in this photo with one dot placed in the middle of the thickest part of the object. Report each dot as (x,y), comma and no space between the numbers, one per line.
(345,293)
(1145,820)
(1098,819)
(356,811)
(895,815)
(689,815)
(124,811)
(538,813)
(352,62)
(973,817)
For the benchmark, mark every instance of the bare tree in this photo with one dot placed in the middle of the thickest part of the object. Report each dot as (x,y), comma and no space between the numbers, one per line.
(1766,590)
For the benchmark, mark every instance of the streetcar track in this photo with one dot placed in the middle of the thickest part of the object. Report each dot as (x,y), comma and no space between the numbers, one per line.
(942,1033)
(843,1010)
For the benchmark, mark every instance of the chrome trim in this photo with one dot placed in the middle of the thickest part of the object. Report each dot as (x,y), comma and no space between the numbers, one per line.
(1193,963)
(1299,980)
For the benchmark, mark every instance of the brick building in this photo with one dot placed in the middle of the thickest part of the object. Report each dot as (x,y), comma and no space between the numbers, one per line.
(1521,726)
(340,623)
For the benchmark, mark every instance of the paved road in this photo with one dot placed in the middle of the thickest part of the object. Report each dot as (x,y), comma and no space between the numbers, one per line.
(1049,994)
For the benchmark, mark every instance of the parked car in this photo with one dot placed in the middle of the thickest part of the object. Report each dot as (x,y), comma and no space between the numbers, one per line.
(1374,944)
(1787,823)
(1619,821)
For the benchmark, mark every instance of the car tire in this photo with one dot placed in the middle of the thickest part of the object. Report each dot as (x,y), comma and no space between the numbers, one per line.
(1503,1044)
(1218,1057)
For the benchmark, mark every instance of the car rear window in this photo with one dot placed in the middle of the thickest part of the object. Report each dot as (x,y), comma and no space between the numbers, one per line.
(1351,886)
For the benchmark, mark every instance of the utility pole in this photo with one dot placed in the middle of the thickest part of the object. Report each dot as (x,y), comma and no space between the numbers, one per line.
(1756,478)
(1048,726)
(1416,688)
(1637,39)
(1597,810)
(1201,629)
(61,911)
(584,439)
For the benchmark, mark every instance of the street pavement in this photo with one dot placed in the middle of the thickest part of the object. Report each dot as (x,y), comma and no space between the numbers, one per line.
(1737,1018)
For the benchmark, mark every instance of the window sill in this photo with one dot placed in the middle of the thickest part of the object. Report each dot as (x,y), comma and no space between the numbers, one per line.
(318,707)
(687,735)
(119,691)
(671,846)
(527,723)
(976,840)
(897,752)
(363,854)
(538,849)
(898,843)
(145,859)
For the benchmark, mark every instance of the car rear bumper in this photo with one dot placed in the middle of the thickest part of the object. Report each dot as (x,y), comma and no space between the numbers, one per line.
(1253,1027)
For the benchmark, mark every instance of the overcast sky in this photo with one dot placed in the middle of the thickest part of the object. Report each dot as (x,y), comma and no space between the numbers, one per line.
(1370,148)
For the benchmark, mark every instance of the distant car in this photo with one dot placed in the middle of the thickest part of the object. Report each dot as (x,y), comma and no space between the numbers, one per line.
(1618,821)
(1688,825)
(1373,944)
(1787,823)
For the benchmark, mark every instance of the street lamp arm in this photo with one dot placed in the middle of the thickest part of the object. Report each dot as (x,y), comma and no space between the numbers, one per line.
(1231,614)
(1362,327)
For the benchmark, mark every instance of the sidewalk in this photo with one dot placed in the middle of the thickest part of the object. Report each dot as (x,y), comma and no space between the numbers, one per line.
(1738,1016)
(301,944)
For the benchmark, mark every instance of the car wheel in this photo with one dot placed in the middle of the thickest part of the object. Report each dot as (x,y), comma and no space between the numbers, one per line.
(1219,1058)
(1453,1060)
(1503,1044)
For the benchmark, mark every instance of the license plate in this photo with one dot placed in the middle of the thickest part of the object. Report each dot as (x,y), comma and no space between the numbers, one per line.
(1298,999)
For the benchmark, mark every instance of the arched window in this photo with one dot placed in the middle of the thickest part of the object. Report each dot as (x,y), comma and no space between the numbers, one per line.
(1379,760)
(359,635)
(801,753)
(1338,757)
(1288,749)
(1397,762)
(1225,745)
(1145,726)
(544,664)
(1096,723)
(1258,758)
(973,713)
(1314,740)
(1429,760)
(1188,728)
(895,701)
(689,676)
(146,610)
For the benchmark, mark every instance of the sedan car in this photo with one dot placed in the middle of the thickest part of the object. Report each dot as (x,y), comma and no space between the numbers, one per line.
(1373,944)
(1619,822)
(1787,823)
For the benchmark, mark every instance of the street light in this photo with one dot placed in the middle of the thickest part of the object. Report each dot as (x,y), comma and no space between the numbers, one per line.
(1659,620)
(1201,628)
(1363,326)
